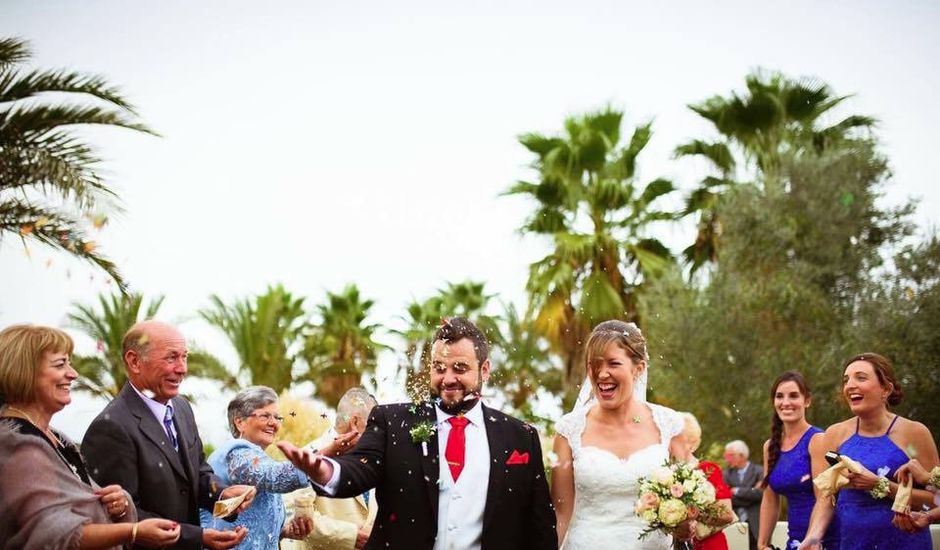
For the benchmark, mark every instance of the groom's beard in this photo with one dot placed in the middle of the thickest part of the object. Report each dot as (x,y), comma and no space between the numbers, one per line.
(464,404)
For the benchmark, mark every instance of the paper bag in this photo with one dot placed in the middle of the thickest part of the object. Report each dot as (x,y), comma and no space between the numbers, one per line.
(902,500)
(227,507)
(831,480)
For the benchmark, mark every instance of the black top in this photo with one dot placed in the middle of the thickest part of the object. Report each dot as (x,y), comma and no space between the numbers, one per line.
(68,452)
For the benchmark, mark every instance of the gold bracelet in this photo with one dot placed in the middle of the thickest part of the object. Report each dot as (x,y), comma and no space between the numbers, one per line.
(134,533)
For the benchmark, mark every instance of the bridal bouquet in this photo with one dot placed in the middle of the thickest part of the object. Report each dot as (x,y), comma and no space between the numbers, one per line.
(673,493)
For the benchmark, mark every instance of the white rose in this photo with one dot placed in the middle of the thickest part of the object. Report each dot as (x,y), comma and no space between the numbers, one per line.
(704,494)
(672,512)
(662,475)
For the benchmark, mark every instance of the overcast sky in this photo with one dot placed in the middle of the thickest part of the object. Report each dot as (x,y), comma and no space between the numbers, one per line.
(323,143)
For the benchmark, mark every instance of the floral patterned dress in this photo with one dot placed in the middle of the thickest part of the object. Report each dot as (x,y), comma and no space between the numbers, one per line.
(240,462)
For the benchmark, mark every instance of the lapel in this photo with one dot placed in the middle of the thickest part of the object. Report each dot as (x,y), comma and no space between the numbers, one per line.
(497,441)
(184,433)
(152,429)
(430,462)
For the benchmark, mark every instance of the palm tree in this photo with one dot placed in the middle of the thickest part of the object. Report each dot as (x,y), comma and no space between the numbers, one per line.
(524,363)
(48,173)
(341,349)
(776,116)
(589,201)
(103,374)
(266,333)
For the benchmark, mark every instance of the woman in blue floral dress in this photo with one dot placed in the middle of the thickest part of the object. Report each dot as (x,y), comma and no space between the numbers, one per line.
(254,421)
(880,441)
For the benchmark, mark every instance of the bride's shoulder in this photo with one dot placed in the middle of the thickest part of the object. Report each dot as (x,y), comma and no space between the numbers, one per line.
(571,423)
(669,421)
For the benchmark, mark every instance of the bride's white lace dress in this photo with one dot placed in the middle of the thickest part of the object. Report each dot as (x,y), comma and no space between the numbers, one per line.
(606,486)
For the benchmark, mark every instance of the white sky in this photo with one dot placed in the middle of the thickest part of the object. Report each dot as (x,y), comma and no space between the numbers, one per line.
(320,143)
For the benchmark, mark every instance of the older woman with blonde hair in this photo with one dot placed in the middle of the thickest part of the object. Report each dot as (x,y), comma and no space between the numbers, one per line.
(49,501)
(708,534)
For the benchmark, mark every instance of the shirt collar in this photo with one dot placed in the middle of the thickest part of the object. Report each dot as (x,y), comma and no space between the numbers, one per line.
(474,415)
(158,409)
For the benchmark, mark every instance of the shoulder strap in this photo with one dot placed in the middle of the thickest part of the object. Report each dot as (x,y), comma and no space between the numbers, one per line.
(891,425)
(856,424)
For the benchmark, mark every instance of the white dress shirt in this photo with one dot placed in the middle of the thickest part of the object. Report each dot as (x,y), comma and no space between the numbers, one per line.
(159,412)
(460,505)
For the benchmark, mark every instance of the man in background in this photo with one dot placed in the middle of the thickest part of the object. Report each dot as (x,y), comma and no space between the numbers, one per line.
(744,477)
(339,523)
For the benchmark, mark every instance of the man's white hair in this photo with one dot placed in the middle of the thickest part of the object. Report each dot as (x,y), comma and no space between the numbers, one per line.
(739,447)
(355,402)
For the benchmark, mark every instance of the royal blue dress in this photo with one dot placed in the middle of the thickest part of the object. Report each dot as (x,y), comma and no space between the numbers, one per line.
(792,477)
(866,521)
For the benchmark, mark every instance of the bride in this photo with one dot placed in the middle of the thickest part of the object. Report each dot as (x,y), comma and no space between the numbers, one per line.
(608,441)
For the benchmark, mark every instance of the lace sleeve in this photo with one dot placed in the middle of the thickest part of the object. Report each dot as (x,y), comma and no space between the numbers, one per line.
(669,422)
(252,467)
(571,426)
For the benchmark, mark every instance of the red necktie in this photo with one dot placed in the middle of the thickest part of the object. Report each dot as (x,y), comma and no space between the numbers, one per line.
(456,445)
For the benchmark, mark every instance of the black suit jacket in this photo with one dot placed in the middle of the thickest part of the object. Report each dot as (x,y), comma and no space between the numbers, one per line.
(125,444)
(518,513)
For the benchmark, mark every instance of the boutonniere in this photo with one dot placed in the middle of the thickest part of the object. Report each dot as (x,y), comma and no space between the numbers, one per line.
(421,433)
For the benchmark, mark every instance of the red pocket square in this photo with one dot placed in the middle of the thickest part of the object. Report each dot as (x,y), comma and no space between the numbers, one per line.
(518,458)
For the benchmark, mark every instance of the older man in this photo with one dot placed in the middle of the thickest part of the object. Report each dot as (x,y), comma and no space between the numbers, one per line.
(340,523)
(744,477)
(146,440)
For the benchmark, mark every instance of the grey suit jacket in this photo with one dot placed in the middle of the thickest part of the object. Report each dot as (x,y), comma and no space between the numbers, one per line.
(748,495)
(126,445)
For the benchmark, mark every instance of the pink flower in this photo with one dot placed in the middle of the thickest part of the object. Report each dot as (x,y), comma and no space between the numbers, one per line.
(677,490)
(648,501)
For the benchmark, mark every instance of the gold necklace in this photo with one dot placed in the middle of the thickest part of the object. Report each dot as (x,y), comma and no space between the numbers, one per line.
(48,433)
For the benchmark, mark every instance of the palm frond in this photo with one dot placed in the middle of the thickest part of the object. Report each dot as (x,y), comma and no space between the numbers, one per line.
(14,86)
(55,230)
(718,153)
(13,51)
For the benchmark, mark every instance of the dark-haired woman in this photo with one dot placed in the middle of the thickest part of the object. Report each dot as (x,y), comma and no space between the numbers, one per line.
(877,439)
(787,463)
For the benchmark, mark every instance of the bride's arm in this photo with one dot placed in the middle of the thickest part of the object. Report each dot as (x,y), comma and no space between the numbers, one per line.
(562,486)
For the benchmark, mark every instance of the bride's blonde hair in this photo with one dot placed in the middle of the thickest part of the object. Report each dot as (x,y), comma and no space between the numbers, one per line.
(625,335)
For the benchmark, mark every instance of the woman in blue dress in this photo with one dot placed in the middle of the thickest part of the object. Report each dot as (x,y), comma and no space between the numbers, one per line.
(787,463)
(876,438)
(254,421)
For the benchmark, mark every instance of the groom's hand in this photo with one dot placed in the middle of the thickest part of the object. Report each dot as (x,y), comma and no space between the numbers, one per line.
(312,464)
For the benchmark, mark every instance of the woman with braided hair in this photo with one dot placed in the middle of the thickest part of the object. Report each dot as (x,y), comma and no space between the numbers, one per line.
(787,465)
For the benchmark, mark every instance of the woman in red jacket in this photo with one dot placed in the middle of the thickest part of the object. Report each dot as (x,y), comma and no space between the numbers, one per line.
(709,536)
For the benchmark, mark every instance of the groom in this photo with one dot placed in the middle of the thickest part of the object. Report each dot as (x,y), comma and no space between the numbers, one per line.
(452,474)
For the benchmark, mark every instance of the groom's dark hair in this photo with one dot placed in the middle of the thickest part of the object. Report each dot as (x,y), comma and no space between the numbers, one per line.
(455,329)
